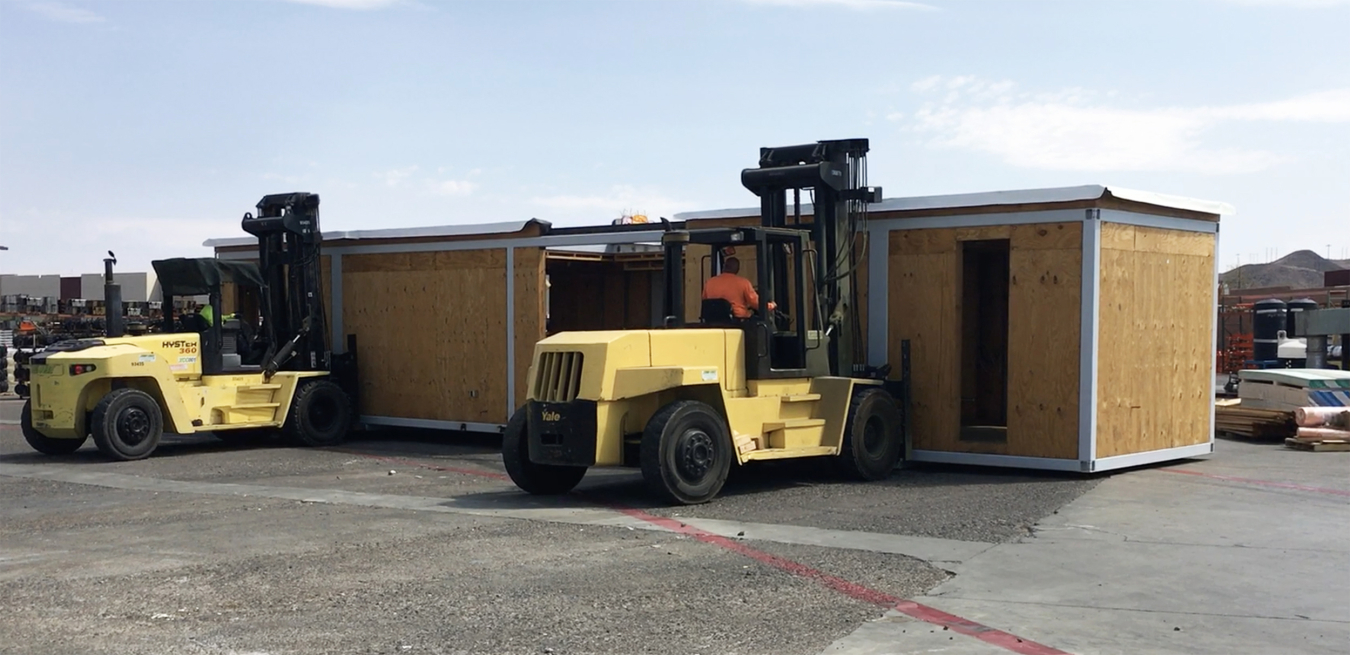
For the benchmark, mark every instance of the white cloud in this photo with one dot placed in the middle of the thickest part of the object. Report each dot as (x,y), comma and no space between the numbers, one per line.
(397,176)
(847,4)
(620,200)
(349,4)
(62,13)
(1077,129)
(453,187)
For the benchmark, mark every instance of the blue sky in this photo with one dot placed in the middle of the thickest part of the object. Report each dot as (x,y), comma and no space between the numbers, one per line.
(146,127)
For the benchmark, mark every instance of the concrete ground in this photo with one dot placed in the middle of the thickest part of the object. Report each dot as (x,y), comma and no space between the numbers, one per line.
(407,543)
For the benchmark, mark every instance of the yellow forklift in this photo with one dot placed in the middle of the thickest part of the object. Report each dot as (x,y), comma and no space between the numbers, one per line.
(202,373)
(686,402)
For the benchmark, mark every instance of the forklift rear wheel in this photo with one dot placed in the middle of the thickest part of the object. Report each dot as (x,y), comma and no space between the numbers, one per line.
(127,424)
(320,415)
(537,479)
(42,443)
(686,452)
(873,439)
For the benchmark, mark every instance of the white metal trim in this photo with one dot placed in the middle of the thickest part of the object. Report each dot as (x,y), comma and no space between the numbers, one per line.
(489,244)
(1153,456)
(975,220)
(998,198)
(1214,341)
(431,424)
(339,344)
(1087,363)
(510,331)
(878,296)
(1010,461)
(502,227)
(1163,222)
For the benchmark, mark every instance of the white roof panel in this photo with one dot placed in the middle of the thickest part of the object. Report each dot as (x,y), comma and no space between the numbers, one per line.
(995,198)
(506,227)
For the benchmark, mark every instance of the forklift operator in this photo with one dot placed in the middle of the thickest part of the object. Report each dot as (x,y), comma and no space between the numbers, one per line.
(733,288)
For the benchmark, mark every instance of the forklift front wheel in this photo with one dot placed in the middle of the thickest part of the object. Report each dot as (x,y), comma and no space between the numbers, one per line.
(873,437)
(686,452)
(537,479)
(320,415)
(42,443)
(127,424)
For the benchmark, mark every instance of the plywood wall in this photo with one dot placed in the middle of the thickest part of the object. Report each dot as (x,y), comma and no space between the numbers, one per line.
(431,330)
(529,315)
(600,295)
(1154,343)
(1044,318)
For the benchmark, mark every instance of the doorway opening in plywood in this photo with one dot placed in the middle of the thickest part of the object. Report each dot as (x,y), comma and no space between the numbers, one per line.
(602,291)
(985,290)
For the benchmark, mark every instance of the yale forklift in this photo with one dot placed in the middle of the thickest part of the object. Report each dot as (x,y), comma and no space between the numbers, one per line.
(686,402)
(128,390)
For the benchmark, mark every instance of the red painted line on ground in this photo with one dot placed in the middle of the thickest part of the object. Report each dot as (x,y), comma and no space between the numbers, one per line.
(992,636)
(1263,483)
(910,608)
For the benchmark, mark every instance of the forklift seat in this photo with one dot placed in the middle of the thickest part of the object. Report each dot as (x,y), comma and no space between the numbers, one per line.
(717,311)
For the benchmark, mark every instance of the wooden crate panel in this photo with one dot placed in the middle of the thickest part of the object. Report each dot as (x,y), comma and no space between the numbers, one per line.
(1154,339)
(1044,327)
(529,316)
(431,333)
(1045,320)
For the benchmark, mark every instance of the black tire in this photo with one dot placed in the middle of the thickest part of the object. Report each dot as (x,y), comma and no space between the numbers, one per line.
(873,437)
(127,424)
(537,479)
(686,453)
(320,415)
(42,443)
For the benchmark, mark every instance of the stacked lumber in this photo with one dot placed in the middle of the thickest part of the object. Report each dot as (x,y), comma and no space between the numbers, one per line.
(1321,429)
(1234,419)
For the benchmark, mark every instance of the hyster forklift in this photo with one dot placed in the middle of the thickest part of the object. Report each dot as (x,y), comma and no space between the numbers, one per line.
(127,390)
(686,402)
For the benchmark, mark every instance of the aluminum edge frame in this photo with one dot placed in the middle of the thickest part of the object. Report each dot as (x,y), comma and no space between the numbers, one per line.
(1161,222)
(1087,347)
(432,424)
(510,331)
(1009,461)
(1152,457)
(1214,344)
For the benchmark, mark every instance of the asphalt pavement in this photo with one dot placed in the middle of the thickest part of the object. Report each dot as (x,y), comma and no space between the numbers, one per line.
(415,542)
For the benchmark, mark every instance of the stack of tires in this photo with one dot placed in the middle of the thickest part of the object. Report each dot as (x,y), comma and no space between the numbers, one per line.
(5,367)
(21,373)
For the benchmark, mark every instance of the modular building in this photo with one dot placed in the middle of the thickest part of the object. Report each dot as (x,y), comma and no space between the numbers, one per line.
(1065,329)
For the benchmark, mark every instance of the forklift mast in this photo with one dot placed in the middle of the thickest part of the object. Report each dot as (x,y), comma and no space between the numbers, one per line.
(836,173)
(287,227)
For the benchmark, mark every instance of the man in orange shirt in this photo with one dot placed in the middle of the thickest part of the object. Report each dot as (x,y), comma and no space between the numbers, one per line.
(733,288)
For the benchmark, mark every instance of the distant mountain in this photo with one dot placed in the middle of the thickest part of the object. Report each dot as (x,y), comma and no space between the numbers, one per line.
(1301,269)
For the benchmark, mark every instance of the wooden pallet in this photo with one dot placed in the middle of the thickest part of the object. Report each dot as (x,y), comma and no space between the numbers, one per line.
(1318,445)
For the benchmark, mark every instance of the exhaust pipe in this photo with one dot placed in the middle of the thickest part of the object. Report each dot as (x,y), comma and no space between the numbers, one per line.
(112,299)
